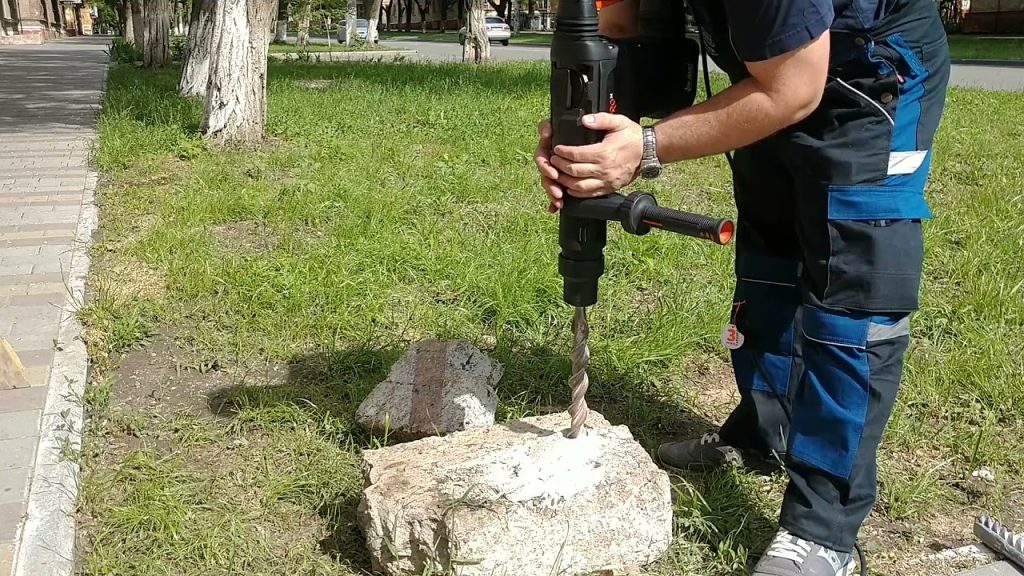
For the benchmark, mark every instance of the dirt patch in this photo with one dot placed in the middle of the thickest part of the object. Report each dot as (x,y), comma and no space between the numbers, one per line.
(245,238)
(165,378)
(712,382)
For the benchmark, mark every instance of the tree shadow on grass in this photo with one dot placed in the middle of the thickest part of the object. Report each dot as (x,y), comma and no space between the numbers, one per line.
(534,382)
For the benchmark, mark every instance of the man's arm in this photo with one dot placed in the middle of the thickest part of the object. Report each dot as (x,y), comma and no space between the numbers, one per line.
(780,92)
(618,19)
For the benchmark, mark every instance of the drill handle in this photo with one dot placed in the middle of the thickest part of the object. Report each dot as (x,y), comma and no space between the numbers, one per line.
(719,231)
(639,213)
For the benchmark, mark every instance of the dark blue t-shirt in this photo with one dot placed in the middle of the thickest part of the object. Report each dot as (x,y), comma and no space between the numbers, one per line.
(762,29)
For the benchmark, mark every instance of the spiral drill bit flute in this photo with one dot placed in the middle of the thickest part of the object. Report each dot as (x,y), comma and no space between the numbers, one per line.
(583,67)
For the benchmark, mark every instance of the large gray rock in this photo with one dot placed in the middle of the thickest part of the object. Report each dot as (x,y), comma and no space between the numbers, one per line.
(518,499)
(435,388)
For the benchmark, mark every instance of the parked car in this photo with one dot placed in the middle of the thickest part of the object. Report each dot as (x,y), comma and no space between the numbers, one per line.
(362,30)
(497,30)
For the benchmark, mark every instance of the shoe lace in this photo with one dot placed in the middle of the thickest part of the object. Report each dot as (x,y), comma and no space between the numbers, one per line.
(709,439)
(787,547)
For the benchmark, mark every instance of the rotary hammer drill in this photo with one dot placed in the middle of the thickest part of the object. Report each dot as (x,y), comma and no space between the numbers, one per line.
(648,76)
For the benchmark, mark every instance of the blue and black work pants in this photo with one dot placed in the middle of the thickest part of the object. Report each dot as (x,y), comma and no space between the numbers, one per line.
(828,268)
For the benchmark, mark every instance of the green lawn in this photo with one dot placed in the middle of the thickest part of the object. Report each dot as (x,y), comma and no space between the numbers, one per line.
(984,48)
(525,38)
(335,47)
(243,304)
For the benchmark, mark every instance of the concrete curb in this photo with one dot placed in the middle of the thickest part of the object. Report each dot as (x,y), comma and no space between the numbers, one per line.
(995,63)
(48,535)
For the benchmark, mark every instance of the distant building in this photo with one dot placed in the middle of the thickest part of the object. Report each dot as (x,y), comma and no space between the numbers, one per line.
(993,16)
(36,21)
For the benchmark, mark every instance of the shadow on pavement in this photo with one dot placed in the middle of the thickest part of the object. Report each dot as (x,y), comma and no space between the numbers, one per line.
(51,86)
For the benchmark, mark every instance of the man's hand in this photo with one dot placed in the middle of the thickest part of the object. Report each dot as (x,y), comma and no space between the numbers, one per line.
(602,168)
(594,170)
(548,173)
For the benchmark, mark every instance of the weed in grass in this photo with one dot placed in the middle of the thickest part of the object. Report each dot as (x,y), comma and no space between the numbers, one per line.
(383,213)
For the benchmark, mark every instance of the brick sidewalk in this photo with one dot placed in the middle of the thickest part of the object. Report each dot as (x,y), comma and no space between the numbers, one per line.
(49,95)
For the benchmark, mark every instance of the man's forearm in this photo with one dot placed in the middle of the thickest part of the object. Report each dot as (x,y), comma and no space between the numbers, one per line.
(738,116)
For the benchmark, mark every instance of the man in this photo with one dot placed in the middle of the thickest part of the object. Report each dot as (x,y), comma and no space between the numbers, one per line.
(831,113)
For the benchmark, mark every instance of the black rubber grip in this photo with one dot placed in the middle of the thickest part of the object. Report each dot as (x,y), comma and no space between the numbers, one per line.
(719,231)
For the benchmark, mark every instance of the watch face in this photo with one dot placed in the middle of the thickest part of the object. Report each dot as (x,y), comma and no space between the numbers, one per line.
(650,171)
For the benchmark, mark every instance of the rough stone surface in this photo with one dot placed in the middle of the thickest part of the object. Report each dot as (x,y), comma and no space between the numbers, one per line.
(435,388)
(516,499)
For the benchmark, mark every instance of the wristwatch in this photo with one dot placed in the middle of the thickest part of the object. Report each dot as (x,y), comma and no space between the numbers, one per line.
(650,166)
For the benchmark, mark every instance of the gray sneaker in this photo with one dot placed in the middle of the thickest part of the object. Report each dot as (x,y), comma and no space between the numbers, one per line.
(789,555)
(708,451)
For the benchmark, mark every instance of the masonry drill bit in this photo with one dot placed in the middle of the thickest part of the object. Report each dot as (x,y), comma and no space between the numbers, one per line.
(1001,539)
(579,382)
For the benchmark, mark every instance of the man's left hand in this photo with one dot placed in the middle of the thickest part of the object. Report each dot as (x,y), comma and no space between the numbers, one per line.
(605,167)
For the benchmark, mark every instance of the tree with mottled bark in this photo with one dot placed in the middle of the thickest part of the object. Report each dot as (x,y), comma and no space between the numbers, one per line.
(124,12)
(157,50)
(281,31)
(374,19)
(477,48)
(305,15)
(195,73)
(235,111)
(138,22)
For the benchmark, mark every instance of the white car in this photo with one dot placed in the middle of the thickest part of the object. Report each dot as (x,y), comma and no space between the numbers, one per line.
(362,30)
(497,31)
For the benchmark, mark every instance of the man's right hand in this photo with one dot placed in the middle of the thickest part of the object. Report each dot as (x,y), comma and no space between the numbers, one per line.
(548,173)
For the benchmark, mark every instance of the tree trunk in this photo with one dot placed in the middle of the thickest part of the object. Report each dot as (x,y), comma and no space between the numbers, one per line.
(350,23)
(373,14)
(157,52)
(195,73)
(477,48)
(281,33)
(138,23)
(401,13)
(127,22)
(304,18)
(408,15)
(235,111)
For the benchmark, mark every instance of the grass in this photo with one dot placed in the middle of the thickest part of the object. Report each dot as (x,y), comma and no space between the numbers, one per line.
(288,279)
(985,48)
(333,47)
(523,38)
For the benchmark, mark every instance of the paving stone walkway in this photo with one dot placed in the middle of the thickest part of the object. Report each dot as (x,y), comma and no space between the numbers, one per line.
(49,96)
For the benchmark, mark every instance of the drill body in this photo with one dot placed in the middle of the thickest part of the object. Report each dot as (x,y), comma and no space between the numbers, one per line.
(582,82)
(652,75)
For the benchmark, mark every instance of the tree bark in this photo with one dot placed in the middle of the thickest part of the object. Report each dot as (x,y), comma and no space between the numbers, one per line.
(423,16)
(157,52)
(195,73)
(127,22)
(281,33)
(408,15)
(373,12)
(350,23)
(138,23)
(235,110)
(304,18)
(477,48)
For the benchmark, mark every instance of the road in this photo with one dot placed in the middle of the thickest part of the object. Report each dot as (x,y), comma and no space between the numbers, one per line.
(990,77)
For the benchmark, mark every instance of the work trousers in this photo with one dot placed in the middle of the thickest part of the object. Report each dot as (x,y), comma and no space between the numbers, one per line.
(828,268)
